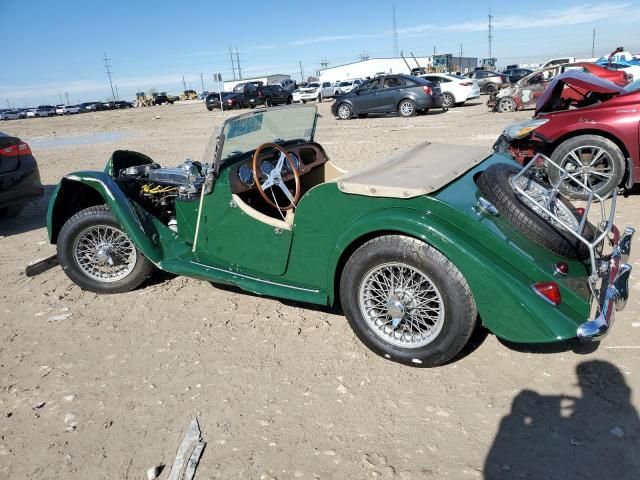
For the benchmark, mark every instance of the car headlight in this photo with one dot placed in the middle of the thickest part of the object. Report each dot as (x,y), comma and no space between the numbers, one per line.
(524,128)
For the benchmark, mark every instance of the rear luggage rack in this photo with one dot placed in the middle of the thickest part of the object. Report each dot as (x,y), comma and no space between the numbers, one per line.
(612,269)
(605,223)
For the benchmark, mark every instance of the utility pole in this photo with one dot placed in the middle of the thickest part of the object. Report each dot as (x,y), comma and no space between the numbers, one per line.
(8,104)
(238,64)
(66,94)
(460,59)
(60,96)
(202,81)
(107,66)
(183,83)
(434,50)
(117,94)
(301,73)
(324,63)
(233,67)
(490,33)
(593,44)
(364,56)
(395,32)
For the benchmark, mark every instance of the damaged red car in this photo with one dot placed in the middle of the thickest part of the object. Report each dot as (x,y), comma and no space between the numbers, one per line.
(525,92)
(587,125)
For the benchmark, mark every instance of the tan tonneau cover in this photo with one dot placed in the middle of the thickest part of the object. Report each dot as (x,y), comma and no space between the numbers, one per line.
(419,171)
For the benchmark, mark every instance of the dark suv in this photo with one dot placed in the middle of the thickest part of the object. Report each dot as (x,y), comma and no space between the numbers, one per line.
(404,94)
(273,95)
(19,176)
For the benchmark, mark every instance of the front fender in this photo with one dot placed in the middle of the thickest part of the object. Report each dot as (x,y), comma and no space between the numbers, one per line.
(80,190)
(503,295)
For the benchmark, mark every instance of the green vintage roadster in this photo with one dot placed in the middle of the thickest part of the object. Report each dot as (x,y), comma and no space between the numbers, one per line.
(417,250)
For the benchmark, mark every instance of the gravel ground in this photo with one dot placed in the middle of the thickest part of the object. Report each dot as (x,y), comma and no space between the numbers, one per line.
(105,386)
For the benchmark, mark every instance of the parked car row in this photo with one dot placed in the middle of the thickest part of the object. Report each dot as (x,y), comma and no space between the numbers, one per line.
(53,110)
(249,95)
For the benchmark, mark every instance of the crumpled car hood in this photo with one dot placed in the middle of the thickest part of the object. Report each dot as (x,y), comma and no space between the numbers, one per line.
(579,80)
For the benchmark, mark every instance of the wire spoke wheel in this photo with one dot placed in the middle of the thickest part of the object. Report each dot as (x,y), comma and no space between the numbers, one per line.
(401,305)
(104,253)
(542,198)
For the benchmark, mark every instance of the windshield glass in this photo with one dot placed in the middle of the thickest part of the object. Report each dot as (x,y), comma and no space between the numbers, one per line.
(238,88)
(345,84)
(632,87)
(313,85)
(246,132)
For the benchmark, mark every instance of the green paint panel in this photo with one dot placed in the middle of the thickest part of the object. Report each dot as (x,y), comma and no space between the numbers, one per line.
(499,262)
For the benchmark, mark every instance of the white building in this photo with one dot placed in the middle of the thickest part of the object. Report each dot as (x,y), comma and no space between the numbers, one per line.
(266,80)
(372,67)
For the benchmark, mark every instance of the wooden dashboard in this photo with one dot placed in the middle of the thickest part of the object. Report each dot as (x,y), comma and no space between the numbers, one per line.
(309,156)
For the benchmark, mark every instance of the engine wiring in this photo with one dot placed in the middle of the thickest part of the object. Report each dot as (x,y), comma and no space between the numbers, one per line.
(153,189)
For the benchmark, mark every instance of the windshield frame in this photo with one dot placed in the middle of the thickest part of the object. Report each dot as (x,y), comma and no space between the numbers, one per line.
(218,138)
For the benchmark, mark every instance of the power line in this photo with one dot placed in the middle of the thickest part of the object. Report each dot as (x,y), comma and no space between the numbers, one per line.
(233,67)
(490,33)
(108,68)
(238,64)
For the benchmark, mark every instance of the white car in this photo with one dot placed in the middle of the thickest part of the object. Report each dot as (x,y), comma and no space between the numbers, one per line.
(455,90)
(67,109)
(348,85)
(313,91)
(10,115)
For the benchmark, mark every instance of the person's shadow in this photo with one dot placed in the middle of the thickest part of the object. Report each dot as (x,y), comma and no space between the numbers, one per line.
(553,437)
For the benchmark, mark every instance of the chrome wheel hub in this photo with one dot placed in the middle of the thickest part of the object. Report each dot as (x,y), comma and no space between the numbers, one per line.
(542,198)
(406,108)
(104,253)
(592,165)
(401,305)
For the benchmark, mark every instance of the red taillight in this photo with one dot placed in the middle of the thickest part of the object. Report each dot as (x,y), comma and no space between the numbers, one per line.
(15,150)
(427,90)
(580,211)
(503,78)
(549,291)
(24,149)
(562,268)
(260,94)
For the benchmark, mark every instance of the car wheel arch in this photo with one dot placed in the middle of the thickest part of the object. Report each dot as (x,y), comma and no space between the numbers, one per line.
(70,197)
(369,226)
(592,131)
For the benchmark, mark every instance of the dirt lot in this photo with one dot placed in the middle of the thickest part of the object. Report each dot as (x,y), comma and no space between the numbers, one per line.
(281,391)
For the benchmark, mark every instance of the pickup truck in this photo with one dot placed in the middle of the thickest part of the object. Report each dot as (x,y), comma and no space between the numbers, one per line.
(246,94)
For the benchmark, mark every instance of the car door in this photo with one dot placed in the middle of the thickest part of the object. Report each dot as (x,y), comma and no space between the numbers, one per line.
(327,89)
(234,236)
(390,94)
(365,97)
(534,88)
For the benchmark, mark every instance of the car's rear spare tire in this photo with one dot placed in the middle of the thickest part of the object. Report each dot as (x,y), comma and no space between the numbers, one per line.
(495,184)
(97,255)
(406,301)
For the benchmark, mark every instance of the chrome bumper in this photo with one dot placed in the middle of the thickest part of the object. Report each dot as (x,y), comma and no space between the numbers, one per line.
(614,290)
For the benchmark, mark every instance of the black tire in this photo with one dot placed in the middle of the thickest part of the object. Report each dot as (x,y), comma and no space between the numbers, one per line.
(506,104)
(460,313)
(407,108)
(490,88)
(289,100)
(93,216)
(611,161)
(344,111)
(267,102)
(210,109)
(448,100)
(495,185)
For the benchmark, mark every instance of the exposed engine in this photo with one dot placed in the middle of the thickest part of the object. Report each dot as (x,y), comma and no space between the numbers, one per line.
(157,188)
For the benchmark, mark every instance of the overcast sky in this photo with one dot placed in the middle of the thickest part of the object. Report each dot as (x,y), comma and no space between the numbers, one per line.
(52,47)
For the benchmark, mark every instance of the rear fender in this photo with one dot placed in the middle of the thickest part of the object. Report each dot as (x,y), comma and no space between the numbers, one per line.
(81,190)
(506,304)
